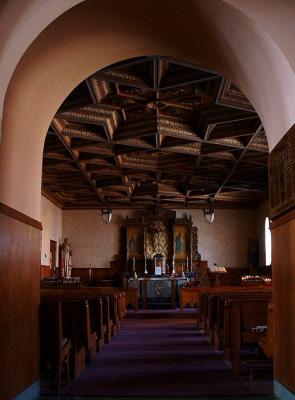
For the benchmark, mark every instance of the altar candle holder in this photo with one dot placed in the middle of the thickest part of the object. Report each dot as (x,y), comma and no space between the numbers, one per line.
(133,264)
(133,268)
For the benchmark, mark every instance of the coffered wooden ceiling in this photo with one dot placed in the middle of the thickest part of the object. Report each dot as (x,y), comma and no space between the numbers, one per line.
(155,131)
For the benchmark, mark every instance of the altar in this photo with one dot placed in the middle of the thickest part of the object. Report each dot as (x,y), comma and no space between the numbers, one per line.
(155,291)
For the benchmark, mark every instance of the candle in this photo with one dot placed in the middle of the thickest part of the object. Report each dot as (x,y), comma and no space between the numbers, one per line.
(145,269)
(187,264)
(133,264)
(173,264)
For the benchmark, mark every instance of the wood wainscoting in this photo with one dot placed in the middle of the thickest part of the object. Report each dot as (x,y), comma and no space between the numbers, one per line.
(20,252)
(283,270)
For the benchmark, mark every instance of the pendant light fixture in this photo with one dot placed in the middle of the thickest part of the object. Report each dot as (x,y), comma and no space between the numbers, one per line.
(209,211)
(107,212)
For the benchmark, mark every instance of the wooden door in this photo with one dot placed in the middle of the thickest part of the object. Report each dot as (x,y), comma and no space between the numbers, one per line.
(53,247)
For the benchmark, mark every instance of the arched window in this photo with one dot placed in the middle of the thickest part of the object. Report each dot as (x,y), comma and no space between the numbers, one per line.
(267,242)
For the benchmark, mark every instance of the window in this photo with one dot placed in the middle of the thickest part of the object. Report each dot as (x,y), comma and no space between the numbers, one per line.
(267,242)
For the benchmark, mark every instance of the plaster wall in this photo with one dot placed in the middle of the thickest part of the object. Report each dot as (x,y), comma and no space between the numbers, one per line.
(225,242)
(95,243)
(21,22)
(51,219)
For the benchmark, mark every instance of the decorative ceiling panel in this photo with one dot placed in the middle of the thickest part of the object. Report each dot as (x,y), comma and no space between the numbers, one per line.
(155,131)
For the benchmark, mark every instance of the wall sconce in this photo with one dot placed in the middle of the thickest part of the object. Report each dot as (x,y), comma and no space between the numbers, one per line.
(209,211)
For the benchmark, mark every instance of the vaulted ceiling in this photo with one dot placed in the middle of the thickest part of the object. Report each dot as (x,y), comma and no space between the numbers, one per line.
(155,131)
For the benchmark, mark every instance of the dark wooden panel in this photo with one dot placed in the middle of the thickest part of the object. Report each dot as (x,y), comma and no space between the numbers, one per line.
(19,303)
(11,212)
(282,175)
(96,273)
(283,256)
(45,271)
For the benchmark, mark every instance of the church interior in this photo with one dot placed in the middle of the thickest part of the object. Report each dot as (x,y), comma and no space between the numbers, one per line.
(147,199)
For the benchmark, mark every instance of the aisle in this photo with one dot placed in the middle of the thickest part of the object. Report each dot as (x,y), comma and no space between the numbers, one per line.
(158,354)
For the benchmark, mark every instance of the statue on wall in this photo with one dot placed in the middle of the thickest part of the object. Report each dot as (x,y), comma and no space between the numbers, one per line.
(66,259)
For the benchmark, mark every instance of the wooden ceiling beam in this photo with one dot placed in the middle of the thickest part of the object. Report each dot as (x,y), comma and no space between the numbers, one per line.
(259,129)
(81,168)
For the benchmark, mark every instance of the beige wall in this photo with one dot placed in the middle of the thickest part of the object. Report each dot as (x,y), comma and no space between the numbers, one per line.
(93,242)
(51,219)
(224,242)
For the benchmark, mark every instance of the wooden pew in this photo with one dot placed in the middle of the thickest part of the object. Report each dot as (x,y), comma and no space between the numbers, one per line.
(116,298)
(205,311)
(131,298)
(244,314)
(77,325)
(90,293)
(77,322)
(216,315)
(266,343)
(96,319)
(54,347)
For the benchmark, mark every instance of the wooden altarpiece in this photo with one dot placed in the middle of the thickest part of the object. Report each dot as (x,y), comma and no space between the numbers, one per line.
(159,233)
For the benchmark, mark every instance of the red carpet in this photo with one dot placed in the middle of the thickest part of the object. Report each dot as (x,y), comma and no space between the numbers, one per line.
(159,354)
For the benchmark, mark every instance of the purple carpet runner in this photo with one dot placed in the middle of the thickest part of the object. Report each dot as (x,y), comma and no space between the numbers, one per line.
(160,354)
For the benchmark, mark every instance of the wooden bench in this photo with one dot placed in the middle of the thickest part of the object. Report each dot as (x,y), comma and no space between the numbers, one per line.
(109,304)
(206,311)
(131,298)
(78,325)
(266,343)
(54,346)
(241,315)
(76,319)
(216,313)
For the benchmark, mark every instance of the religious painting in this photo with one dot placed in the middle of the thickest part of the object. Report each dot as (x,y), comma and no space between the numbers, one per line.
(180,238)
(135,241)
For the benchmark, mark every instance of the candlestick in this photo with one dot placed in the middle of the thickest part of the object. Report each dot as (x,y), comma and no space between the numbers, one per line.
(133,264)
(182,272)
(173,265)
